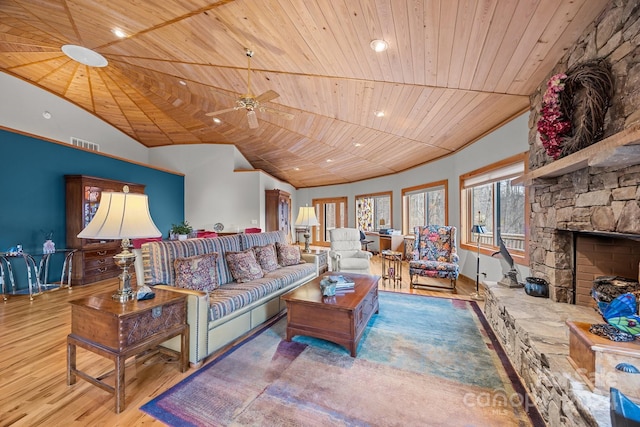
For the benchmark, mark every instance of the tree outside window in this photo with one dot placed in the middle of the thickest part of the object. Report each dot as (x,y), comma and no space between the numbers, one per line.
(490,198)
(424,205)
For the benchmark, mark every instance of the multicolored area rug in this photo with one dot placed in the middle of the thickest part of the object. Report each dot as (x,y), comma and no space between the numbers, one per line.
(422,361)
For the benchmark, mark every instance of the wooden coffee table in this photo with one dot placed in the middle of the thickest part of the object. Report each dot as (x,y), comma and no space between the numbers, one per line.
(340,319)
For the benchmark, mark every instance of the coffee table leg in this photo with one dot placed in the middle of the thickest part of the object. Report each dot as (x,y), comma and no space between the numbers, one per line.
(71,363)
(119,388)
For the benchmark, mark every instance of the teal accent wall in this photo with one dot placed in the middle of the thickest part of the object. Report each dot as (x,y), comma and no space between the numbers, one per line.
(32,193)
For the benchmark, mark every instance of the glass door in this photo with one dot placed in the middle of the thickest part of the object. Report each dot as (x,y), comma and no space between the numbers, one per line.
(331,213)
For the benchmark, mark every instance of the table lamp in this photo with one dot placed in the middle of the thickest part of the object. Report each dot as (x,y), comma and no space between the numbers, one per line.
(307,218)
(122,216)
(478,230)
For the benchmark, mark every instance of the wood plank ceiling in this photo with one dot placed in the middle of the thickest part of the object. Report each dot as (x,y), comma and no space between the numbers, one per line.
(454,70)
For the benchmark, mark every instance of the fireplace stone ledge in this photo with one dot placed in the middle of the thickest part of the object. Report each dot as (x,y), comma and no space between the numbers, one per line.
(535,336)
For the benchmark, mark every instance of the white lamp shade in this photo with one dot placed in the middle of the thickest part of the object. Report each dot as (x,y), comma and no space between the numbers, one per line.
(121,216)
(307,217)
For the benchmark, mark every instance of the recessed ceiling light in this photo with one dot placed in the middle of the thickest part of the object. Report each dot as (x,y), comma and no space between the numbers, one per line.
(379,45)
(296,169)
(119,33)
(182,82)
(379,113)
(84,56)
(329,160)
(357,144)
(46,115)
(217,120)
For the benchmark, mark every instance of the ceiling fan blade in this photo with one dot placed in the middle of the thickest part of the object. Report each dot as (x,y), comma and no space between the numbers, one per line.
(287,116)
(252,119)
(226,110)
(267,96)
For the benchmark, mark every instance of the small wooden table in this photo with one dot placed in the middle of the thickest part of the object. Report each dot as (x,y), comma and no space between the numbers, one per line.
(340,319)
(118,331)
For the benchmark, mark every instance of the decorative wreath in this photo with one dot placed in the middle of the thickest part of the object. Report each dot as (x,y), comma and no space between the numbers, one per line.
(574,108)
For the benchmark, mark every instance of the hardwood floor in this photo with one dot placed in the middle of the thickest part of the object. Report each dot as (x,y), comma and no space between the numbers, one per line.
(33,383)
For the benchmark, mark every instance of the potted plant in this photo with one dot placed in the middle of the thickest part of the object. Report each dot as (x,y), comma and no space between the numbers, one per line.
(182,230)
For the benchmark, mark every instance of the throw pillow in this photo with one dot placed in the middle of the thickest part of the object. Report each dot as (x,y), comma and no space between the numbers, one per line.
(267,257)
(197,272)
(243,266)
(288,254)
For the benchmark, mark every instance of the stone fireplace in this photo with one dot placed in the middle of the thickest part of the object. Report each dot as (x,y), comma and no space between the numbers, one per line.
(595,190)
(584,222)
(595,206)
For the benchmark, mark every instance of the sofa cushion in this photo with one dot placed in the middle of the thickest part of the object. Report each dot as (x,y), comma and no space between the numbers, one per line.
(258,288)
(288,254)
(158,257)
(288,275)
(267,257)
(197,272)
(243,265)
(260,239)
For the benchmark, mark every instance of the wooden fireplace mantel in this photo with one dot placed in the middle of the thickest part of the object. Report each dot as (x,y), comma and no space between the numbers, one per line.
(621,149)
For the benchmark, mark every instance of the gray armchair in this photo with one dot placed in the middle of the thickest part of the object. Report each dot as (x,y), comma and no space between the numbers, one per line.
(346,251)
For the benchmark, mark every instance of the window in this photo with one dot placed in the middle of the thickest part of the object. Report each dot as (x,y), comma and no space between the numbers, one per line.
(373,211)
(490,198)
(424,205)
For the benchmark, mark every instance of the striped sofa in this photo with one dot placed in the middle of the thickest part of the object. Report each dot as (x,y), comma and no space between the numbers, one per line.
(218,317)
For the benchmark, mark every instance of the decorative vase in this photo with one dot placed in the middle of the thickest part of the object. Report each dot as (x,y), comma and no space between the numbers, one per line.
(182,236)
(536,287)
(48,247)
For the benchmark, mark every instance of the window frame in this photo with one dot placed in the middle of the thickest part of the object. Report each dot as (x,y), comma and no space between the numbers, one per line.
(416,188)
(376,226)
(467,217)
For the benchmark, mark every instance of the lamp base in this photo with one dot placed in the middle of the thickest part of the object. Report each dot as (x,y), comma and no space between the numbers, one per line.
(306,249)
(124,260)
(477,296)
(123,295)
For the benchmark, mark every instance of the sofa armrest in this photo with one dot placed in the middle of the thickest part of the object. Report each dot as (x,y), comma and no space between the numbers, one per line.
(198,320)
(312,259)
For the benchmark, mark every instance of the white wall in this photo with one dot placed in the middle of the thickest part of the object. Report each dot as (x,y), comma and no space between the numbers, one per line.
(21,108)
(507,141)
(219,188)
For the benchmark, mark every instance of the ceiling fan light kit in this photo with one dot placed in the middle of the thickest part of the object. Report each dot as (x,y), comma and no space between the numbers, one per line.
(252,103)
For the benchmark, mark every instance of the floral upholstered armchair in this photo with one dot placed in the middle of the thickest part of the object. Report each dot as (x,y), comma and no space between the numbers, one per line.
(434,255)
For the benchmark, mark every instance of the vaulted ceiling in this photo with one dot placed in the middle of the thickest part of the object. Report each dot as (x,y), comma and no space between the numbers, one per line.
(454,71)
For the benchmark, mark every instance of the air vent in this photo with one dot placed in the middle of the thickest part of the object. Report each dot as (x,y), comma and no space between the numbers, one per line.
(84,144)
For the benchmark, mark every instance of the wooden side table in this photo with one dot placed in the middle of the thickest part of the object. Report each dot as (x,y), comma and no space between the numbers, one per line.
(392,266)
(320,258)
(118,331)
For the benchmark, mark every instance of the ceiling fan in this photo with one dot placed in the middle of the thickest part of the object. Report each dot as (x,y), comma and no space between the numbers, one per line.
(252,103)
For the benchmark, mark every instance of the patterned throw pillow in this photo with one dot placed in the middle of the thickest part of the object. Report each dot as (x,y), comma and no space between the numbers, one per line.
(243,266)
(267,257)
(288,254)
(197,272)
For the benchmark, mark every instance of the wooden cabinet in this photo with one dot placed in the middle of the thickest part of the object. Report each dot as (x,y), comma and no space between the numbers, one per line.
(94,259)
(278,210)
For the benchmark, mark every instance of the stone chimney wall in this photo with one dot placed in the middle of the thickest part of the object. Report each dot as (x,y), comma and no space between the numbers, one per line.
(591,199)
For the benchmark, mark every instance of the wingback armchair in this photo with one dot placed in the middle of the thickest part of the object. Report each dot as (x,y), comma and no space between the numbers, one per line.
(346,251)
(434,255)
